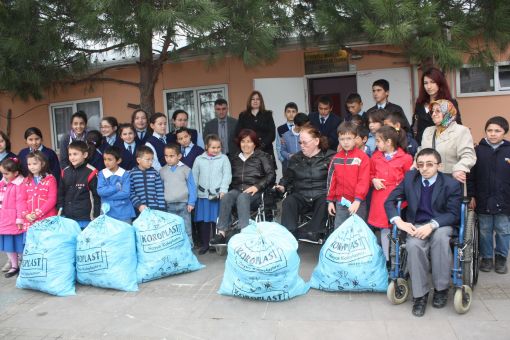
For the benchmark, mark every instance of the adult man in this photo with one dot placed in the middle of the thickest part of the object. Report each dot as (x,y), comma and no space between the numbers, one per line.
(224,126)
(326,121)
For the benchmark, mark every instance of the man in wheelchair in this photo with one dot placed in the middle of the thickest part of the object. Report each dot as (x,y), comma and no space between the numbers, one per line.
(433,200)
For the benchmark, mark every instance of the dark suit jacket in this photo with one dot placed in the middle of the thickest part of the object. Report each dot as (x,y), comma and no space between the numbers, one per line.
(397,109)
(328,129)
(446,198)
(211,127)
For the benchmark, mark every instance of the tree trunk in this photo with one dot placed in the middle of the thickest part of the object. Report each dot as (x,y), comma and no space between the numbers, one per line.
(146,68)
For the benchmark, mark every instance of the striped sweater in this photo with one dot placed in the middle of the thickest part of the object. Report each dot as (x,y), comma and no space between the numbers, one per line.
(147,189)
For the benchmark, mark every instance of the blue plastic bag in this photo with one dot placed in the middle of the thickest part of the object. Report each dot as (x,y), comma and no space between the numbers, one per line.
(163,247)
(49,257)
(263,264)
(351,260)
(106,254)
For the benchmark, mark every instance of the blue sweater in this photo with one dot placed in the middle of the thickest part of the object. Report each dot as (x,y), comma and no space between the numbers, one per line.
(114,189)
(147,189)
(53,162)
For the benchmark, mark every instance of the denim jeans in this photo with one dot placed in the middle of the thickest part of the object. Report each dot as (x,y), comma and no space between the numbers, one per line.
(181,209)
(500,224)
(243,202)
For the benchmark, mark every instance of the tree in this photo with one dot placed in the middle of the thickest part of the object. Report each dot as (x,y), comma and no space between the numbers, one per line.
(66,35)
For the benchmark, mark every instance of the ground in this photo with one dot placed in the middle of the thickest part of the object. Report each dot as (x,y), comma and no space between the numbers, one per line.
(188,307)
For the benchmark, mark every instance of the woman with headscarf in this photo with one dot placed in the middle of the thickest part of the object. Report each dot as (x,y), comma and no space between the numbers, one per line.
(454,142)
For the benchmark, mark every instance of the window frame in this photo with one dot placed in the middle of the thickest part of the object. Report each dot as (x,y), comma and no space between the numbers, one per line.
(195,90)
(498,91)
(73,103)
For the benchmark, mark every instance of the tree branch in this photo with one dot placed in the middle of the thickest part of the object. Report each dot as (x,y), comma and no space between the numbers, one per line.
(93,79)
(100,50)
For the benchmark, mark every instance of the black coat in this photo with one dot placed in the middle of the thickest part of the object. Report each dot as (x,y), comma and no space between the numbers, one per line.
(307,175)
(258,170)
(262,124)
(489,179)
(422,119)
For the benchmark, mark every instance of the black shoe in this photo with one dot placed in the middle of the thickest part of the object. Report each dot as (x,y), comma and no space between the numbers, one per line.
(420,304)
(500,264)
(202,251)
(309,237)
(218,239)
(486,265)
(440,298)
(12,272)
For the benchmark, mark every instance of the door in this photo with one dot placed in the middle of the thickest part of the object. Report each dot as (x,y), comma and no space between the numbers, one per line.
(336,88)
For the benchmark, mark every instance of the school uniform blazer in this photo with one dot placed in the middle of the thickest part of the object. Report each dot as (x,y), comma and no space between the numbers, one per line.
(455,145)
(41,198)
(446,198)
(14,202)
(211,127)
(327,129)
(128,158)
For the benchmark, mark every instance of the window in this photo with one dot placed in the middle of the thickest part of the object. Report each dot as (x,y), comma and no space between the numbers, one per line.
(60,117)
(197,102)
(476,81)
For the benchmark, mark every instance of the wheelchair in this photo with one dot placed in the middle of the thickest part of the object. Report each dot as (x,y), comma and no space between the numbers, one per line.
(464,272)
(260,211)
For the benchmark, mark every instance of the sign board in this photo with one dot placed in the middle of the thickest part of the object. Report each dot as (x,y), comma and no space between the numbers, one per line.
(326,62)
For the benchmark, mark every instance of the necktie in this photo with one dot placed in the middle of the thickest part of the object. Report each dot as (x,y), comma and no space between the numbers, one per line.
(141,135)
(130,149)
(223,136)
(291,126)
(163,139)
(427,183)
(323,120)
(183,151)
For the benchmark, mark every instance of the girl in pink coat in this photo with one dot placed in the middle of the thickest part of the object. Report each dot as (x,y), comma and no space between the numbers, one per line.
(13,200)
(41,189)
(387,169)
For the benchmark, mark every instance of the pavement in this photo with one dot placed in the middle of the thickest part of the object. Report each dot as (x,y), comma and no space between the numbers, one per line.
(187,306)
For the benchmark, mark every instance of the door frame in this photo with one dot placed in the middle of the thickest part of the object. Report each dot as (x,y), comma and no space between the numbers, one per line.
(307,77)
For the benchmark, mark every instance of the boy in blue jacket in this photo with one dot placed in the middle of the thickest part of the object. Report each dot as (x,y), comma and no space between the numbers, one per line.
(489,187)
(146,184)
(113,186)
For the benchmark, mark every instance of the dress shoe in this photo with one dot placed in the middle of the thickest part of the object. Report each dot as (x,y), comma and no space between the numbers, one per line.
(218,239)
(202,251)
(486,265)
(500,264)
(420,304)
(440,298)
(12,272)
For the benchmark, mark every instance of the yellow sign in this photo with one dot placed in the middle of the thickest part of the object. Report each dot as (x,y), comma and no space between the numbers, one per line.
(326,62)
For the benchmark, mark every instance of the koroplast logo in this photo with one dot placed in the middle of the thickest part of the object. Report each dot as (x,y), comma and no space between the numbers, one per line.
(91,260)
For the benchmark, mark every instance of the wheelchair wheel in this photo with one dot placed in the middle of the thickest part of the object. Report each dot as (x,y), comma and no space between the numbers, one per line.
(462,299)
(470,264)
(398,291)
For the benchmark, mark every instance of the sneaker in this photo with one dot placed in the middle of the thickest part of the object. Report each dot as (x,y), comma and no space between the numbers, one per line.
(500,265)
(218,239)
(6,266)
(440,298)
(486,265)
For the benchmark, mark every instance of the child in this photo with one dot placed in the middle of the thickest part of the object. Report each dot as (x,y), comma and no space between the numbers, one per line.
(77,191)
(189,150)
(375,122)
(354,106)
(362,138)
(33,137)
(146,185)
(180,189)
(109,126)
(381,92)
(212,173)
(388,166)
(433,209)
(157,141)
(41,188)
(395,120)
(78,132)
(5,148)
(348,177)
(180,119)
(14,201)
(129,146)
(95,142)
(113,186)
(290,139)
(489,187)
(290,113)
(140,121)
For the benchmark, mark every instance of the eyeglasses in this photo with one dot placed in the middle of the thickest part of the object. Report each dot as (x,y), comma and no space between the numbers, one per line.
(421,165)
(305,142)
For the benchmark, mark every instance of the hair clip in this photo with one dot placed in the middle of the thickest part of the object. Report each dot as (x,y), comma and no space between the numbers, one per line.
(397,129)
(14,159)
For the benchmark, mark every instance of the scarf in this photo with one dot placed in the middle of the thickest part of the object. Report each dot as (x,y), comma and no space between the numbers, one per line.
(449,114)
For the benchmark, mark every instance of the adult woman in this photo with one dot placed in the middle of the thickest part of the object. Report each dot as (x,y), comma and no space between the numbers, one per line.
(433,87)
(180,120)
(140,121)
(453,141)
(260,120)
(305,182)
(252,172)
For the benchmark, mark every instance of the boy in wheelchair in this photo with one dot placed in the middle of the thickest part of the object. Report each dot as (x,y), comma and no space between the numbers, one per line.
(433,200)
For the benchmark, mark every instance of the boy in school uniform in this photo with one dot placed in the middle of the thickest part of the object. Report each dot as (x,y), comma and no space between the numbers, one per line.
(354,106)
(180,188)
(433,211)
(114,186)
(77,191)
(380,93)
(326,121)
(489,187)
(290,140)
(290,113)
(348,176)
(145,183)
(189,150)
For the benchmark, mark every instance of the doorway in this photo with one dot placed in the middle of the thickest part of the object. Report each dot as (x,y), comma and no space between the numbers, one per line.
(336,88)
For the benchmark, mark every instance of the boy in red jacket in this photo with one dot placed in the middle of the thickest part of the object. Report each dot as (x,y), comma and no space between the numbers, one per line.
(348,176)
